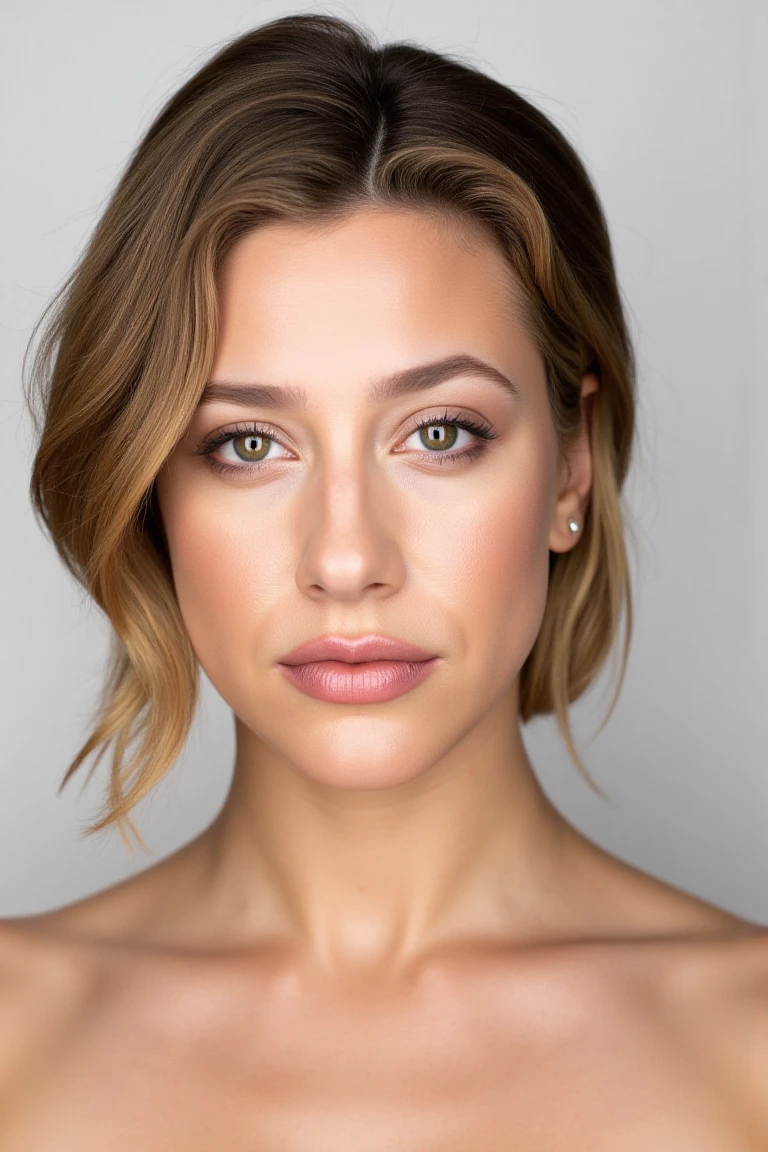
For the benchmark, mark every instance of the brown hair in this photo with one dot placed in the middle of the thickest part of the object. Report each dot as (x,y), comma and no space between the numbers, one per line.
(306,118)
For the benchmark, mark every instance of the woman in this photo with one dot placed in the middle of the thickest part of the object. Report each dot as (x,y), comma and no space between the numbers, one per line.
(339,404)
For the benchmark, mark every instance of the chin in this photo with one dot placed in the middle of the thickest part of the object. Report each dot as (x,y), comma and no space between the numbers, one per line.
(365,754)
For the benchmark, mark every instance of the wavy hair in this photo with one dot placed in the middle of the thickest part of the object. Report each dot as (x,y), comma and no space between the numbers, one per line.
(305,118)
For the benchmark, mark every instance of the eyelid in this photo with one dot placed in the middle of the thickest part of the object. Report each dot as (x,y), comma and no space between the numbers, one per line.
(479,428)
(450,414)
(223,435)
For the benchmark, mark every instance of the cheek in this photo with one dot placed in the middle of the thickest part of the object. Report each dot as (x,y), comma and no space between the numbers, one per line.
(496,566)
(228,566)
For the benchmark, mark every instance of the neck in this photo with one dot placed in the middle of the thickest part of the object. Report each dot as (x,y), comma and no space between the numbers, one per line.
(376,878)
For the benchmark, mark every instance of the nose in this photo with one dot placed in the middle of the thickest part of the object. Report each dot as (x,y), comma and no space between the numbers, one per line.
(349,535)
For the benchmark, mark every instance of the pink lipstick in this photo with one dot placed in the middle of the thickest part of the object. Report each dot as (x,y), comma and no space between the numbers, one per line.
(368,669)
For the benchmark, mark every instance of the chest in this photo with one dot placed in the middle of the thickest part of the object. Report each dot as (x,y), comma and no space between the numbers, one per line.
(289,1073)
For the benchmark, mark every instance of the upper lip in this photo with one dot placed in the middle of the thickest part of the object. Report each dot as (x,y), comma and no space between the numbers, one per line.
(354,650)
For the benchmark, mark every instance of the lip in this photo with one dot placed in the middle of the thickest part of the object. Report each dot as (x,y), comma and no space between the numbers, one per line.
(369,682)
(355,650)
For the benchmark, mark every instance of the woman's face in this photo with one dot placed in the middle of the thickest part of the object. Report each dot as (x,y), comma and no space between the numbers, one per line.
(345,518)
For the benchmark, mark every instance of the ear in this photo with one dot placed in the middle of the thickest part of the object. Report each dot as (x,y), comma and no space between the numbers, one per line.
(575,476)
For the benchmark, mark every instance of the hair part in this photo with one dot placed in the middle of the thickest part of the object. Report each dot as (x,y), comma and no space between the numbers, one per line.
(306,119)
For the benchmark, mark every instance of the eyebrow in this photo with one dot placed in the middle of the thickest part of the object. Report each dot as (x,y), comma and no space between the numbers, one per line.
(390,387)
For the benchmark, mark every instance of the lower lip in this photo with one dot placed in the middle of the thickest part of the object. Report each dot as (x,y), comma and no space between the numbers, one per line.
(365,683)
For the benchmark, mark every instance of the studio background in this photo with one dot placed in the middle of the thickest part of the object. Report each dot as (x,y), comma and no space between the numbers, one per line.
(667,103)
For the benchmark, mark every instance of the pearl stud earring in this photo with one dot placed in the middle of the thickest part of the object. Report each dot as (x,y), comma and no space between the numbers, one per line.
(573,525)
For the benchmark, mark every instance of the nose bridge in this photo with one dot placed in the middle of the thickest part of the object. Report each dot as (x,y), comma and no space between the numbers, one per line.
(348,543)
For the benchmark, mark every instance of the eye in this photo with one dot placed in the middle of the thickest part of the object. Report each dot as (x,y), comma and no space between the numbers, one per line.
(439,434)
(251,446)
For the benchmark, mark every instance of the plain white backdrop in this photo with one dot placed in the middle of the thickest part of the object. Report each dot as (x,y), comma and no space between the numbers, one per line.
(667,102)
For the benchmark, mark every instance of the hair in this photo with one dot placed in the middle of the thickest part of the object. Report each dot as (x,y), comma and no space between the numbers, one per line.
(306,119)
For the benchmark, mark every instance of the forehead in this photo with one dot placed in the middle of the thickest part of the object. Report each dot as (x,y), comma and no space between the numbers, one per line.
(376,276)
(332,310)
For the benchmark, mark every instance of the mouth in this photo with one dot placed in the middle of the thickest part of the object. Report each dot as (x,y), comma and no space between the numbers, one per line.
(356,650)
(361,682)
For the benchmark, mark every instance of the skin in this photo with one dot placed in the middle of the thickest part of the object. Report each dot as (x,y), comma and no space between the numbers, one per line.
(389,936)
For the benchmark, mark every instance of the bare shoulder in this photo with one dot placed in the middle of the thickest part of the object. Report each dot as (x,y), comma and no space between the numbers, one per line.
(59,966)
(40,993)
(689,968)
(707,991)
(733,989)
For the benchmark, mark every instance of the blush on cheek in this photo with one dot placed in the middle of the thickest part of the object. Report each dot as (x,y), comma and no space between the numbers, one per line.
(513,537)
(213,576)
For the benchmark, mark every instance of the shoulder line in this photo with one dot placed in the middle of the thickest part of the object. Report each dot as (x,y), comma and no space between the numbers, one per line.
(742,974)
(39,994)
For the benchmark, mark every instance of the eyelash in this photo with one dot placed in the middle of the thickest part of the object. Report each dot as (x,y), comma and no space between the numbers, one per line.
(482,431)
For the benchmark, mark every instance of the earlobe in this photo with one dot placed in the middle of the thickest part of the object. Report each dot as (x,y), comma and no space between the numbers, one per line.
(565,535)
